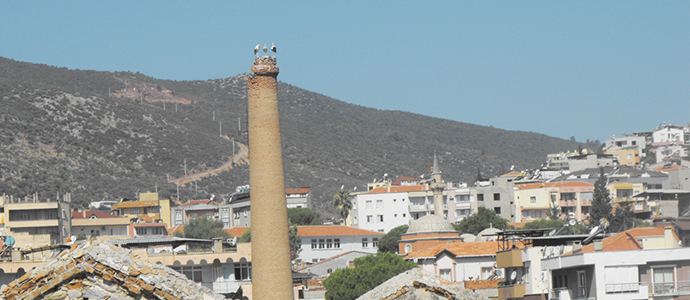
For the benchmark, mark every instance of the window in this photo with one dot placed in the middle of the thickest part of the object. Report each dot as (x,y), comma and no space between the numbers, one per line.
(532,199)
(404,215)
(370,204)
(379,203)
(444,274)
(664,280)
(329,243)
(486,272)
(243,271)
(156,210)
(568,196)
(193,273)
(178,215)
(314,244)
(554,197)
(134,211)
(497,196)
(621,279)
(375,242)
(225,213)
(462,212)
(581,284)
(322,243)
(480,197)
(370,218)
(497,210)
(336,243)
(365,243)
(380,218)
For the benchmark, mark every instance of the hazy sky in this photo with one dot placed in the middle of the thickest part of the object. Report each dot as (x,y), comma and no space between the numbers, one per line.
(588,69)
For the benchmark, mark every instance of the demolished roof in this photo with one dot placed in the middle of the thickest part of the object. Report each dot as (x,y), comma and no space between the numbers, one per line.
(99,270)
(419,284)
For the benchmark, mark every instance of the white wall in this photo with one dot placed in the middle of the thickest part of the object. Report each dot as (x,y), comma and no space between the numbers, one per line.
(393,208)
(347,243)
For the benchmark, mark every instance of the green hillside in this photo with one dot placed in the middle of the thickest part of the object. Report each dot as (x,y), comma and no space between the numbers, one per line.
(61,131)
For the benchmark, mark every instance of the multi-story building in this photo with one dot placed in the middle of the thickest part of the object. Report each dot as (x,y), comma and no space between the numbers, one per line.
(97,224)
(34,222)
(590,160)
(635,141)
(535,200)
(322,242)
(147,206)
(298,197)
(520,255)
(498,196)
(201,208)
(640,263)
(625,157)
(385,208)
(239,201)
(669,142)
(458,261)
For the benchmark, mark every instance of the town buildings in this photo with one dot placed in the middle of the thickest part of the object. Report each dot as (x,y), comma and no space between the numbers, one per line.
(325,241)
(640,263)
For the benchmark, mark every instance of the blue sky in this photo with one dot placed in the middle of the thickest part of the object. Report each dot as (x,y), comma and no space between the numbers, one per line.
(588,69)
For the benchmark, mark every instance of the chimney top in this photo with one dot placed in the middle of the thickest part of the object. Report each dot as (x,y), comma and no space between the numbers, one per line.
(265,65)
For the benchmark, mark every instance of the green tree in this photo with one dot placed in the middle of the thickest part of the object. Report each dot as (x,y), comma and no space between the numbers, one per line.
(601,204)
(342,201)
(246,236)
(623,218)
(295,242)
(369,272)
(303,216)
(204,228)
(389,242)
(483,219)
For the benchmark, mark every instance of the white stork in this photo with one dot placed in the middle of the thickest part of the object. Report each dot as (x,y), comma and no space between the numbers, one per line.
(265,49)
(256,49)
(273,48)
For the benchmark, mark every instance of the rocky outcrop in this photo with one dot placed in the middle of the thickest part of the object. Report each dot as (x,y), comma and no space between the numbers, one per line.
(98,270)
(417,284)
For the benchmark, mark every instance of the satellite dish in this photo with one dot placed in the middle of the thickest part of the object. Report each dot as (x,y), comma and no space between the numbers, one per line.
(513,275)
(572,222)
(415,260)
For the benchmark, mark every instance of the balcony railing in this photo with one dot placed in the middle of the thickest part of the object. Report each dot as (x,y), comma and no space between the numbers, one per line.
(670,288)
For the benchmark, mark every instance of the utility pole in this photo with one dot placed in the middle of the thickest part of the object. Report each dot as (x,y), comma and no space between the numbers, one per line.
(178,190)
(214,115)
(220,123)
(233,146)
(185,167)
(164,104)
(175,106)
(239,125)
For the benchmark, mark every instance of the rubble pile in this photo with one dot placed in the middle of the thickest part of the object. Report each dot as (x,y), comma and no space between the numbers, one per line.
(417,284)
(98,270)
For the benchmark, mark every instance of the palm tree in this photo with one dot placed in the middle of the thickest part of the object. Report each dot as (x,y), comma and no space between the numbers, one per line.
(342,201)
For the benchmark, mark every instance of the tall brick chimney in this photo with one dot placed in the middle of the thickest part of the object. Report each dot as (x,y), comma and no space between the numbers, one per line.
(271,271)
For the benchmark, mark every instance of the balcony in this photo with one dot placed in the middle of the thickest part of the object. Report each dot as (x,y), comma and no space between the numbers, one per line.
(33,223)
(508,259)
(511,291)
(669,288)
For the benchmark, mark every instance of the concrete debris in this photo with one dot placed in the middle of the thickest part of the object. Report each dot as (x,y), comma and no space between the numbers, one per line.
(417,284)
(98,270)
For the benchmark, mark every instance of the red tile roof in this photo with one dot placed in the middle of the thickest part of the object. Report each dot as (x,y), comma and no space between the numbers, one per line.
(299,190)
(332,230)
(529,186)
(458,249)
(666,168)
(236,231)
(397,189)
(179,228)
(88,213)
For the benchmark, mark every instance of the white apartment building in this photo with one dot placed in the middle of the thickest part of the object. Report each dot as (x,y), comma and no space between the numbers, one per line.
(385,208)
(323,241)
